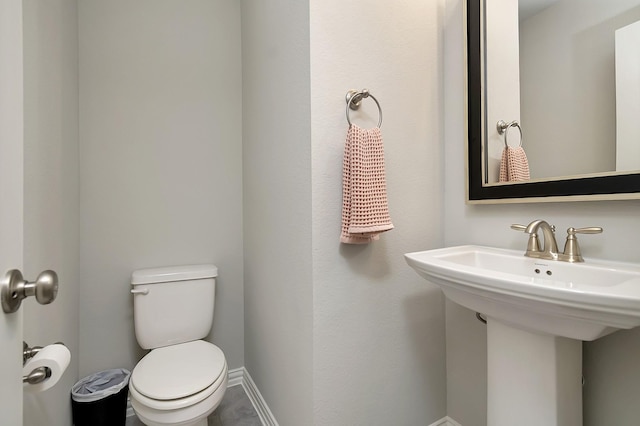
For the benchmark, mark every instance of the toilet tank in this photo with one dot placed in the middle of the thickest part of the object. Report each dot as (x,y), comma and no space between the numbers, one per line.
(173,305)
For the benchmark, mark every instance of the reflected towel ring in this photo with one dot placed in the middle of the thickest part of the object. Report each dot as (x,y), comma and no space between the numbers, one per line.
(504,127)
(354,100)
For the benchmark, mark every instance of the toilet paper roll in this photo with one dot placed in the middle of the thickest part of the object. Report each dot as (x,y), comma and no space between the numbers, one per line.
(56,357)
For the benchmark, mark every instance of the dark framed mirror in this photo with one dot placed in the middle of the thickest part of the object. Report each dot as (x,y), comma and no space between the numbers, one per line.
(576,187)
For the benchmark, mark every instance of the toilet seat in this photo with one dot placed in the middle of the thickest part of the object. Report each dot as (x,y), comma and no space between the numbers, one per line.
(182,412)
(177,372)
(175,404)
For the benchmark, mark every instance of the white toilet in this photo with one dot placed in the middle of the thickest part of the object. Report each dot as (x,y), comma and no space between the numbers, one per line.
(183,379)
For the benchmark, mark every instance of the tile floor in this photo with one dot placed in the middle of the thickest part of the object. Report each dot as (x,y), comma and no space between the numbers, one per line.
(234,410)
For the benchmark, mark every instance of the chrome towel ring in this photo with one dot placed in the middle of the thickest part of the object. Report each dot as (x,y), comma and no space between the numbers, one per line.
(503,128)
(354,100)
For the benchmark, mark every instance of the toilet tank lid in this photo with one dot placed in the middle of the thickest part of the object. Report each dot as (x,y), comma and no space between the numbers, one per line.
(173,273)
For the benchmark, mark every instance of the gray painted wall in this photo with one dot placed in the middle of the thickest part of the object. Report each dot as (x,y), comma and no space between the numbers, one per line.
(378,327)
(160,162)
(611,365)
(367,328)
(51,190)
(277,205)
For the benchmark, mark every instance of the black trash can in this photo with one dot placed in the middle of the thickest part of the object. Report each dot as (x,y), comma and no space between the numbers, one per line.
(101,399)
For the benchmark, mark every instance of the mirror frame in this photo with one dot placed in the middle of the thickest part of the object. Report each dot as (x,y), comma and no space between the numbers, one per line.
(616,187)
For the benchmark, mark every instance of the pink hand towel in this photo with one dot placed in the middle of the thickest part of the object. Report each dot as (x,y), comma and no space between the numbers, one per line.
(514,165)
(365,210)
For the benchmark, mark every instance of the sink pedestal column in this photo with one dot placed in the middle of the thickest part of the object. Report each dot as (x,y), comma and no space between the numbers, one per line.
(533,379)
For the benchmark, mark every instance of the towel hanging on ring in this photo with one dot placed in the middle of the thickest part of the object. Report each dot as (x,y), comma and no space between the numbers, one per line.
(365,209)
(514,165)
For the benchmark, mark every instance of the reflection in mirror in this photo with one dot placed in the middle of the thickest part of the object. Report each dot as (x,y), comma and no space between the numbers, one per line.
(559,69)
(568,72)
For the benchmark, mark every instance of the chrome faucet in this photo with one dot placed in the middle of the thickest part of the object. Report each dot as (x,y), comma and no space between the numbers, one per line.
(550,247)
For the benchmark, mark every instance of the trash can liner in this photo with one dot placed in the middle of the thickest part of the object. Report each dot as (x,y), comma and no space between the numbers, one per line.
(100,385)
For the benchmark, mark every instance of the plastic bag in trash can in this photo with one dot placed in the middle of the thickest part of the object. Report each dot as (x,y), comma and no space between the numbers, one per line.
(100,385)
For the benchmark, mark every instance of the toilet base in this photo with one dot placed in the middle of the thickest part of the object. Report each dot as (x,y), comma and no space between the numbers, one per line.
(201,422)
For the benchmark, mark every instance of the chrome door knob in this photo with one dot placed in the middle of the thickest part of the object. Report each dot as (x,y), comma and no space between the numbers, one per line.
(45,287)
(15,288)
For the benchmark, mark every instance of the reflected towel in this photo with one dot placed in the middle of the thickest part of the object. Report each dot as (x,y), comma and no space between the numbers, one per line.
(514,165)
(365,210)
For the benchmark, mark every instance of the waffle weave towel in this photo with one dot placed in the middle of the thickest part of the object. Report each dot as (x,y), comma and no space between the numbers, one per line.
(365,210)
(514,165)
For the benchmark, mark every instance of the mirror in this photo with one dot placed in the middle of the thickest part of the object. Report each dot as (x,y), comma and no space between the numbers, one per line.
(561,70)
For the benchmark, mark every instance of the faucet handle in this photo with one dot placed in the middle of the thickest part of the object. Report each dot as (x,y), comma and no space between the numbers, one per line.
(571,248)
(533,245)
(589,230)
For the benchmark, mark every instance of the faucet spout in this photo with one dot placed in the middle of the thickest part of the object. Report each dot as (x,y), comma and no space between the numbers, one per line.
(550,247)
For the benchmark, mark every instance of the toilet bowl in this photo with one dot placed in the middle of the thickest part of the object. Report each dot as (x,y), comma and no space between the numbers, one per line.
(181,381)
(179,385)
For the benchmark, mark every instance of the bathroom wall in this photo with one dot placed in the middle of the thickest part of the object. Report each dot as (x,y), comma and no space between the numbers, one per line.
(160,162)
(379,354)
(277,205)
(611,364)
(51,190)
(368,329)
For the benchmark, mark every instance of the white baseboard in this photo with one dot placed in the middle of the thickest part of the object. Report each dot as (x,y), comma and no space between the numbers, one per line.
(240,376)
(236,376)
(264,414)
(445,421)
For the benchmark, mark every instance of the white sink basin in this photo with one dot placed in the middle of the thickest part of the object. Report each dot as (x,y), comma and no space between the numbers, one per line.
(582,301)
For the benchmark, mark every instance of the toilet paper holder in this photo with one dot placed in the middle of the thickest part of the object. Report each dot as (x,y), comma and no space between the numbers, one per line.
(28,353)
(40,374)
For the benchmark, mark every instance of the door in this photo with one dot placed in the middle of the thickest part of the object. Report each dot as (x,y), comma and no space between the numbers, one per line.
(11,203)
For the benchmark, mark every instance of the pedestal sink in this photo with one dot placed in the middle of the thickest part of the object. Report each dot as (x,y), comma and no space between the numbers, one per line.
(538,312)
